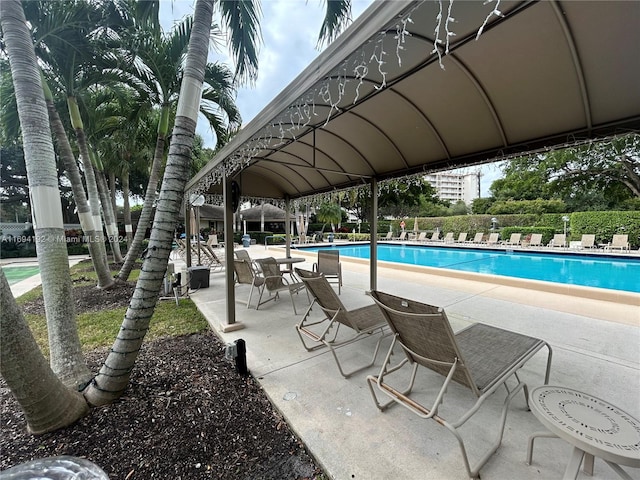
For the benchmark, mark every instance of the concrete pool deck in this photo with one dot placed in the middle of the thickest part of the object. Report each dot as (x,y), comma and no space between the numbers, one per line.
(596,346)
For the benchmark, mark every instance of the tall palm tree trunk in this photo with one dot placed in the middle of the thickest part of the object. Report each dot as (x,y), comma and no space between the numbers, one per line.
(126,209)
(46,402)
(66,354)
(147,210)
(113,378)
(89,176)
(79,196)
(112,193)
(109,218)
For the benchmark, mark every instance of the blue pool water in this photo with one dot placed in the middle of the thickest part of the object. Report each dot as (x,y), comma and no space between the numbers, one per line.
(586,270)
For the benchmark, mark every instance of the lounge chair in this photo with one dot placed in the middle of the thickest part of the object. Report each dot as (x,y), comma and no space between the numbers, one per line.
(619,241)
(480,357)
(360,322)
(215,260)
(388,236)
(588,240)
(246,274)
(274,283)
(435,237)
(402,236)
(329,266)
(462,238)
(493,239)
(535,240)
(558,240)
(242,254)
(212,241)
(448,238)
(477,239)
(513,240)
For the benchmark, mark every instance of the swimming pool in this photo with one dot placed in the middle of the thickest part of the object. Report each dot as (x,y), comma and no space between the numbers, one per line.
(17,274)
(568,268)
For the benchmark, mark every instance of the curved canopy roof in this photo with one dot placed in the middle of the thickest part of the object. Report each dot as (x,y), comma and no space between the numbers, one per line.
(381,102)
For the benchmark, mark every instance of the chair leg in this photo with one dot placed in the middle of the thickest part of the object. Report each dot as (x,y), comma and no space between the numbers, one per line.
(453,428)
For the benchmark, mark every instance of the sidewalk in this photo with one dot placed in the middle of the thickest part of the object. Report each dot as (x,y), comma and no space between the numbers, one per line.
(596,350)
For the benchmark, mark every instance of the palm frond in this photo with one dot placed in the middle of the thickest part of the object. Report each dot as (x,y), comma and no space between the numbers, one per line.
(242,20)
(337,17)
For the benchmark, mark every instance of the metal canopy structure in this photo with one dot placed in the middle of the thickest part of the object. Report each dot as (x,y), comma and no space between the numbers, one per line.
(382,102)
(424,86)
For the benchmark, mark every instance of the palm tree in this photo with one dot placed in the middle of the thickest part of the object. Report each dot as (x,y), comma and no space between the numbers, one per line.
(66,355)
(73,174)
(46,402)
(113,378)
(330,213)
(158,69)
(62,44)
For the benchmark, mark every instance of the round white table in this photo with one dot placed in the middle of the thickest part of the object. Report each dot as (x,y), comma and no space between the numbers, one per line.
(594,427)
(288,262)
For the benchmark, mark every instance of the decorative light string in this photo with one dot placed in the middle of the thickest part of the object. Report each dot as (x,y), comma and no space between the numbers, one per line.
(330,92)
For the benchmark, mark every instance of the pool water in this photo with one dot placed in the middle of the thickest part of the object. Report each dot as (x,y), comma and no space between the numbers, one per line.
(587,270)
(17,274)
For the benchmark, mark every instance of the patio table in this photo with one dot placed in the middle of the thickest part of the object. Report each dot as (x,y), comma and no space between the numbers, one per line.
(288,262)
(594,427)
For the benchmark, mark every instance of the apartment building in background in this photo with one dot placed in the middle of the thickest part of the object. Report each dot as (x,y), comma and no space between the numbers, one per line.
(454,187)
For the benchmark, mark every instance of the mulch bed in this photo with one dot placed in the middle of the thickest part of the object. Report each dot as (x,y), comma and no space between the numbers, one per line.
(187,414)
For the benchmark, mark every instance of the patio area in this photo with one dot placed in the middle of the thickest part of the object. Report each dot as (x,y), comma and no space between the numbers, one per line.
(595,350)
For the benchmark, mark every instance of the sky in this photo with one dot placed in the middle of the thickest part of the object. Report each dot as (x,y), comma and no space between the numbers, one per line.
(289,32)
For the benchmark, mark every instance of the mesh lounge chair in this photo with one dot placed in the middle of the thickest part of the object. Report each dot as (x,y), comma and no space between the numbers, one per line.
(435,237)
(242,254)
(480,357)
(588,240)
(402,236)
(275,283)
(478,238)
(388,236)
(558,240)
(619,241)
(329,265)
(212,241)
(493,239)
(245,274)
(448,238)
(360,322)
(215,260)
(462,237)
(535,240)
(513,240)
(422,237)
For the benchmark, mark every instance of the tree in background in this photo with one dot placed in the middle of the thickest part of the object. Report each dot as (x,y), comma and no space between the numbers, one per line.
(329,212)
(603,175)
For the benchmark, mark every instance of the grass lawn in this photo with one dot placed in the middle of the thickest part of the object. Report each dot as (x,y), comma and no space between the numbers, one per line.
(99,328)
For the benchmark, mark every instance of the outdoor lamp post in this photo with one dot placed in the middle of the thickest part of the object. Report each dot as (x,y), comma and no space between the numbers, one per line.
(196,202)
(494,223)
(565,219)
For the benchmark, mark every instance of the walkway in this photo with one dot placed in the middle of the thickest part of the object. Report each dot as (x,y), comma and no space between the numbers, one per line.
(596,349)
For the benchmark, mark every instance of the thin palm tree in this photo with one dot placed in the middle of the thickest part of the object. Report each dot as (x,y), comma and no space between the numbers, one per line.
(66,358)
